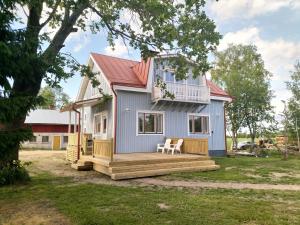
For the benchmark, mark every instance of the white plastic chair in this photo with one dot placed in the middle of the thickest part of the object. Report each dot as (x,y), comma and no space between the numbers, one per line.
(162,147)
(176,147)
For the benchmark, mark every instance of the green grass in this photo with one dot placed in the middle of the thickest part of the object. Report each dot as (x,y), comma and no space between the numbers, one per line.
(271,170)
(88,204)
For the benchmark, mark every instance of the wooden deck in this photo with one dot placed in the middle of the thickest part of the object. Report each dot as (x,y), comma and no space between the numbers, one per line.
(134,165)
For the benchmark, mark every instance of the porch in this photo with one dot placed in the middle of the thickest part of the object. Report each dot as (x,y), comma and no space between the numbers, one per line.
(98,155)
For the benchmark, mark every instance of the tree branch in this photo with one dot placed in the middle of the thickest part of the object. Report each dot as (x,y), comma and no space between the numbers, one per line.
(51,14)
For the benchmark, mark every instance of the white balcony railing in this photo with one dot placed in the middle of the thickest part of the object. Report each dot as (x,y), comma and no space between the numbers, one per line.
(183,92)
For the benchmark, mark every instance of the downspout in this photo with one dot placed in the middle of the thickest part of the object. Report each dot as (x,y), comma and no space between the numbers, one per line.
(78,136)
(225,136)
(115,119)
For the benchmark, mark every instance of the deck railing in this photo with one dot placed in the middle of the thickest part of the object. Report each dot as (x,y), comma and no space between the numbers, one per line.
(103,149)
(184,92)
(194,145)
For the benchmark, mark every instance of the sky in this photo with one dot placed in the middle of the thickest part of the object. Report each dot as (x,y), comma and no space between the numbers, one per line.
(273,26)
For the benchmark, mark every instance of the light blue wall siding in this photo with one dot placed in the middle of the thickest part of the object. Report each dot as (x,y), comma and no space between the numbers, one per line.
(176,124)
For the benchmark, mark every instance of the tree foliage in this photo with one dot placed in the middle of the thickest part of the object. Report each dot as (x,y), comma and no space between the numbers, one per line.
(30,53)
(294,102)
(53,98)
(240,70)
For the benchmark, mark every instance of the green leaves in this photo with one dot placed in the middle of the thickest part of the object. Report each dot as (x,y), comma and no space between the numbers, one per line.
(240,70)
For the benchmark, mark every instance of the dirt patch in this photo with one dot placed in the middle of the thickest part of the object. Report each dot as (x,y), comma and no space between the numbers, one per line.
(54,162)
(163,206)
(252,175)
(200,184)
(30,213)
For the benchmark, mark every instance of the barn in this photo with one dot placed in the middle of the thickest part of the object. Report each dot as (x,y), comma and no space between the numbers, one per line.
(50,129)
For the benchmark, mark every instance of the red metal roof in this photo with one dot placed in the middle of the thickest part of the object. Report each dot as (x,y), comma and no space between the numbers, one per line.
(120,71)
(216,90)
(131,73)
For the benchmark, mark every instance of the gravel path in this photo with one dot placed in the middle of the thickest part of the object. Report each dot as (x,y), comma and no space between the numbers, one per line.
(227,185)
(54,162)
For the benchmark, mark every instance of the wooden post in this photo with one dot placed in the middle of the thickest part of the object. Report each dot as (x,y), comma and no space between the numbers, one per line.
(75,125)
(112,150)
(69,125)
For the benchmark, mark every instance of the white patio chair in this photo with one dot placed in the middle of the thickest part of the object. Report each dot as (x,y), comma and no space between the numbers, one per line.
(176,147)
(162,147)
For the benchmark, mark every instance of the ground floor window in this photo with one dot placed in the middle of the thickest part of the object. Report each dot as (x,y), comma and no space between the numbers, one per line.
(100,123)
(33,139)
(150,123)
(65,139)
(198,124)
(45,139)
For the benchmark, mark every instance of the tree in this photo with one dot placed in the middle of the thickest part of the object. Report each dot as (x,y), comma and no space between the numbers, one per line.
(30,55)
(294,104)
(53,98)
(240,70)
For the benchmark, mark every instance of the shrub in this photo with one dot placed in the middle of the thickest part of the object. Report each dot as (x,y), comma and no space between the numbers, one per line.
(14,173)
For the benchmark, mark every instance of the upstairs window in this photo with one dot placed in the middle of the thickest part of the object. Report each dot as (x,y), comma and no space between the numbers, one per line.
(150,123)
(198,124)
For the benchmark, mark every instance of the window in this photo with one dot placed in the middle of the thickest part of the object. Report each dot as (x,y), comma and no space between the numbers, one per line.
(65,139)
(104,122)
(97,124)
(100,123)
(45,139)
(198,124)
(33,139)
(150,123)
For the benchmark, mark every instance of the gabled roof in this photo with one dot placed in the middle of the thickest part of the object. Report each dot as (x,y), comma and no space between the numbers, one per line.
(125,72)
(47,116)
(216,90)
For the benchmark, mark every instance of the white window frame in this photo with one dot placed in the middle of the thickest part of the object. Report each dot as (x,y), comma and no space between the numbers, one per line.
(153,112)
(102,115)
(198,114)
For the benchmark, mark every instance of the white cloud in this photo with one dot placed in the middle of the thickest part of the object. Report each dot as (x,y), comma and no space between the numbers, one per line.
(227,9)
(279,56)
(120,49)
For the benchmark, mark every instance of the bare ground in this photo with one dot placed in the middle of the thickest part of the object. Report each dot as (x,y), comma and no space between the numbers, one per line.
(28,213)
(54,162)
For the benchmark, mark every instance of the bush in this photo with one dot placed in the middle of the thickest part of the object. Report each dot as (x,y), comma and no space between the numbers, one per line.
(14,173)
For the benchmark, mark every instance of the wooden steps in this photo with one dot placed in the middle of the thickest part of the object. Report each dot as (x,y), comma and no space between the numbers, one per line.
(129,166)
(157,172)
(82,165)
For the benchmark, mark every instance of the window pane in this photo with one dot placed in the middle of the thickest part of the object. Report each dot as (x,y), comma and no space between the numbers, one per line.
(104,124)
(97,125)
(205,127)
(66,138)
(169,76)
(33,139)
(149,123)
(191,124)
(159,123)
(45,139)
(198,124)
(141,122)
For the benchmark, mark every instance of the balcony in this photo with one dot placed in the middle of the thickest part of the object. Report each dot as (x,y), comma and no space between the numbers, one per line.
(183,93)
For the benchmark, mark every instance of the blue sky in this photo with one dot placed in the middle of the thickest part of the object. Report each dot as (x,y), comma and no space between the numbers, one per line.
(273,26)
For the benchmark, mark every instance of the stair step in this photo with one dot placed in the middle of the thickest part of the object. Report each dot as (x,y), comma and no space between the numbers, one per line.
(167,165)
(80,166)
(156,172)
(157,161)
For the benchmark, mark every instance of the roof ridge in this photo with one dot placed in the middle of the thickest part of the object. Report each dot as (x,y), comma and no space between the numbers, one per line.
(114,57)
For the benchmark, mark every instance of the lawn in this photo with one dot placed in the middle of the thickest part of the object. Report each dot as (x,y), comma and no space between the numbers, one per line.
(59,195)
(273,170)
(66,202)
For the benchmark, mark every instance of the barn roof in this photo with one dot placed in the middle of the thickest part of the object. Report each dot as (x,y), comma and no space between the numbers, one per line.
(47,116)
